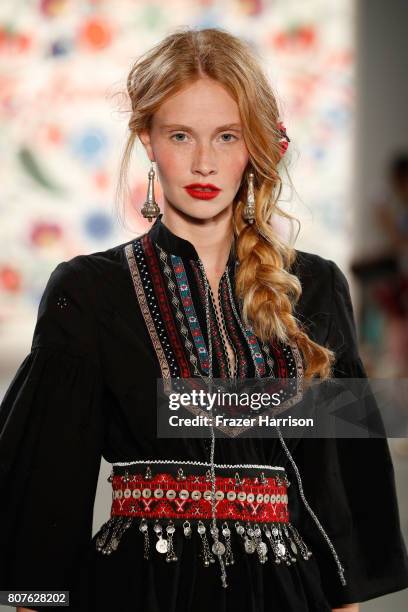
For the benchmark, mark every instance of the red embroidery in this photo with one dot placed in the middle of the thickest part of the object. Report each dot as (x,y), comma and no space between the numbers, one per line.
(164,496)
(165,309)
(280,361)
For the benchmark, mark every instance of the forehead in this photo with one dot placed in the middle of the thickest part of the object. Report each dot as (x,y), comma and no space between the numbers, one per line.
(202,103)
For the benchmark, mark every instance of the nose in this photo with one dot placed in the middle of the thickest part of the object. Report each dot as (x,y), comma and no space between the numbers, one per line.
(204,162)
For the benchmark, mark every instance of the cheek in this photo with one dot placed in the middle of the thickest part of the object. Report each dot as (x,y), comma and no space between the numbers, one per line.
(171,165)
(237,164)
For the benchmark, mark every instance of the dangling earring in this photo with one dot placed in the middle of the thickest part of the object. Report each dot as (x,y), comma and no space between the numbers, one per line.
(150,208)
(249,210)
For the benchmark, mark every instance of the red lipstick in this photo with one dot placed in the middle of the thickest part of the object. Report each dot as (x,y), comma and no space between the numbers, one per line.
(202,191)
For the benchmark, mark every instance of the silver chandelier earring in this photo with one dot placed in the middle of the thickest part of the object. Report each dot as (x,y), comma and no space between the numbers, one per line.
(150,208)
(249,209)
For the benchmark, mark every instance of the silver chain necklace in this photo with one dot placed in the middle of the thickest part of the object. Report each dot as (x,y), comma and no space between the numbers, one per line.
(218,547)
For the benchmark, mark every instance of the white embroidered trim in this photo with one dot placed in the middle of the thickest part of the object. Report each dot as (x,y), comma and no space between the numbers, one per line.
(201,463)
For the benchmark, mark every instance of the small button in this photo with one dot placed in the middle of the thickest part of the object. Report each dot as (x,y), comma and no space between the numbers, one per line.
(158,493)
(184,494)
(231,495)
(127,493)
(250,497)
(241,496)
(196,495)
(171,494)
(147,493)
(136,493)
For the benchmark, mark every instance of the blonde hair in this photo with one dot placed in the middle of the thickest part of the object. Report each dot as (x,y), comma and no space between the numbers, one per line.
(268,290)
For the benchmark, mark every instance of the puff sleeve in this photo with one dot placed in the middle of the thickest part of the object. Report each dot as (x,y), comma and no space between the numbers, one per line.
(350,485)
(51,436)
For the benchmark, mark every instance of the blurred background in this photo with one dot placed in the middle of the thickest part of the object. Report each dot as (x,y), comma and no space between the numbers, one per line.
(339,70)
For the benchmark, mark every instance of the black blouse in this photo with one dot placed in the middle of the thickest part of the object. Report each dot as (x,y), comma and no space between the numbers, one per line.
(109,324)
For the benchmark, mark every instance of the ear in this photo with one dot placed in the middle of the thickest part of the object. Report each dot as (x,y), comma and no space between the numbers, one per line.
(144,137)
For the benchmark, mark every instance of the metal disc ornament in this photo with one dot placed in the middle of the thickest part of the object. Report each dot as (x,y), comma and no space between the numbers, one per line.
(250,546)
(218,548)
(161,545)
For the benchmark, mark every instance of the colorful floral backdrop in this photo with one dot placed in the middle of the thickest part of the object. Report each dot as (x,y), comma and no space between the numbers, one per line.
(63,130)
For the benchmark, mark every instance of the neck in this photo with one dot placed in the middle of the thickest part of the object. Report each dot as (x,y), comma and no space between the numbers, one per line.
(211,237)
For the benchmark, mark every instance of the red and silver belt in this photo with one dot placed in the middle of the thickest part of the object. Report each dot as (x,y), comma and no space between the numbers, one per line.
(166,497)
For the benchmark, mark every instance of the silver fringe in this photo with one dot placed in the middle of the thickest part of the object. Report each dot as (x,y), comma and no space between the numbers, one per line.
(282,538)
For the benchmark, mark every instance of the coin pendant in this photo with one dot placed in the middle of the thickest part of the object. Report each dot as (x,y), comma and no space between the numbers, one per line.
(218,548)
(161,545)
(250,546)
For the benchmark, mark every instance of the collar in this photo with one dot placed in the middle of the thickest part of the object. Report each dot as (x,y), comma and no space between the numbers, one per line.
(176,245)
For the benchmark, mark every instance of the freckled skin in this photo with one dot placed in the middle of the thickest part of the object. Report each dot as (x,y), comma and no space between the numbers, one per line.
(201,154)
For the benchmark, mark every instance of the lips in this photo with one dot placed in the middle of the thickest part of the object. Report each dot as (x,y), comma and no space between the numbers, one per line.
(202,191)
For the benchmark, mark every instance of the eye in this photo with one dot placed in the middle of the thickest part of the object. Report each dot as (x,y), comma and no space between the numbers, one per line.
(228,134)
(178,134)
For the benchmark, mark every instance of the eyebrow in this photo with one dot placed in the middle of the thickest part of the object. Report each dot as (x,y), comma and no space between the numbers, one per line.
(179,126)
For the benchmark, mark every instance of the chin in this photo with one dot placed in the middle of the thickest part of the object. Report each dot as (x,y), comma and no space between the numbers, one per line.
(201,210)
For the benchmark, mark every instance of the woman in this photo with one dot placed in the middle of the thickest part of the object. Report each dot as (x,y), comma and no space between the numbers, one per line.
(210,291)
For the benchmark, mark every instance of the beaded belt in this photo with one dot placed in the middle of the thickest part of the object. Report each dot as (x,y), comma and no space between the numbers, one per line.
(250,500)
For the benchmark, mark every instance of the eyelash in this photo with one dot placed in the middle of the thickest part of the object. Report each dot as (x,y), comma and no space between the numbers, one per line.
(226,134)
